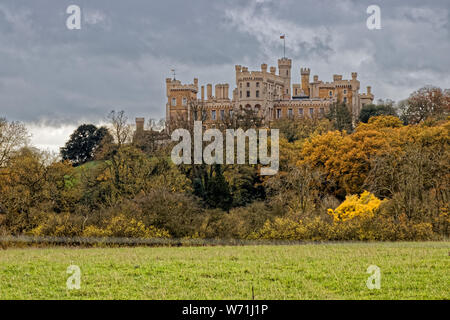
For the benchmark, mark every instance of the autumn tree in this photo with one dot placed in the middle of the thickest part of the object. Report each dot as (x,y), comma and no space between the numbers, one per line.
(427,102)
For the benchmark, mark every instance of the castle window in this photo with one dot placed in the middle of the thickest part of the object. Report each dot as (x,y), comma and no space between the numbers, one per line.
(222,114)
(248,94)
(290,114)
(331,93)
(300,112)
(257,84)
(278,113)
(287,72)
(231,113)
(257,93)
(248,84)
(174,102)
(240,85)
(345,99)
(311,111)
(240,94)
(204,115)
(296,92)
(213,114)
(345,91)
(322,111)
(184,101)
(287,91)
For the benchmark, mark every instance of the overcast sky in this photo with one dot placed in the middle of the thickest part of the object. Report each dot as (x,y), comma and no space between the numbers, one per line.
(53,78)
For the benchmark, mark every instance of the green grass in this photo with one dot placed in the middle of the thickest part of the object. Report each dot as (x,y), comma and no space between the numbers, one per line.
(313,271)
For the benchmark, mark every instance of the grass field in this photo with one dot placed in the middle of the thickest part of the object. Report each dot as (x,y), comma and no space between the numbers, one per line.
(311,271)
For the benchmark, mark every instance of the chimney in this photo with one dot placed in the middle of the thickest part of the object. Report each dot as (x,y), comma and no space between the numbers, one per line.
(354,75)
(209,91)
(218,93)
(203,93)
(316,78)
(369,90)
(264,67)
(226,87)
(273,70)
(140,125)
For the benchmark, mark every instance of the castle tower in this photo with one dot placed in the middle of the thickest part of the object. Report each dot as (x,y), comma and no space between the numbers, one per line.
(304,72)
(178,97)
(284,70)
(140,125)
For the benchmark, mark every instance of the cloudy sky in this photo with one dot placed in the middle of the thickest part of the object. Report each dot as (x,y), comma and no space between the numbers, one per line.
(53,78)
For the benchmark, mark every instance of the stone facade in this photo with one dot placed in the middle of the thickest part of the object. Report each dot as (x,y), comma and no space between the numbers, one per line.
(269,94)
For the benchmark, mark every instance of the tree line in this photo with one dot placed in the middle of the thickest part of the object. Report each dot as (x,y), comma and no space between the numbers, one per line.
(385,177)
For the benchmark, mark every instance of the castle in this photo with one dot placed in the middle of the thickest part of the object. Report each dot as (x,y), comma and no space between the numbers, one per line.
(268,94)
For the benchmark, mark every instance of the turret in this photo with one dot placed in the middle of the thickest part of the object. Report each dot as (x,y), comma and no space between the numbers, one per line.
(284,70)
(305,72)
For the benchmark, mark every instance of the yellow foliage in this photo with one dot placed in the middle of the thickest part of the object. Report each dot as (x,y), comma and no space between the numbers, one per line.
(363,206)
(121,226)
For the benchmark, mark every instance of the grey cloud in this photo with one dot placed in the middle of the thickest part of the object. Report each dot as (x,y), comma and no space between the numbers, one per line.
(125,50)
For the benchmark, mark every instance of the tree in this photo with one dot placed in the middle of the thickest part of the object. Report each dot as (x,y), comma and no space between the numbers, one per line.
(341,117)
(13,136)
(218,193)
(372,110)
(427,102)
(83,144)
(121,130)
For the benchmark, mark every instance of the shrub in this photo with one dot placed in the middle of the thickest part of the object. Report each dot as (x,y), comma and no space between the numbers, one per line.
(363,206)
(357,229)
(121,226)
(58,225)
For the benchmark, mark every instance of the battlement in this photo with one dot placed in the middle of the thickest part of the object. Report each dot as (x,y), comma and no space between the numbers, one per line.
(284,62)
(173,84)
(305,71)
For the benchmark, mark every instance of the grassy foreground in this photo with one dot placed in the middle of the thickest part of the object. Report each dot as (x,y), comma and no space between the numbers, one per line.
(312,271)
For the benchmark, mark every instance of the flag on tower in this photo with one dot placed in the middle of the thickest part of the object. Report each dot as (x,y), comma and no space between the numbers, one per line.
(282,36)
